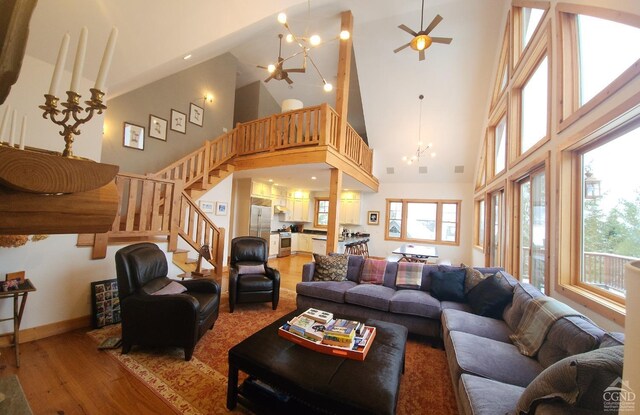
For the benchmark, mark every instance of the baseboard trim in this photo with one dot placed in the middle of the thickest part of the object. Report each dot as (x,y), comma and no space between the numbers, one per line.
(48,330)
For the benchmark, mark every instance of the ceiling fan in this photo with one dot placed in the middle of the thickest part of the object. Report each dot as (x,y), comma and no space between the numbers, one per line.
(421,40)
(279,73)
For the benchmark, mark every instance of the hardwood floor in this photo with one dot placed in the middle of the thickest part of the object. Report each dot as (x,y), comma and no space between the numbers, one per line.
(68,375)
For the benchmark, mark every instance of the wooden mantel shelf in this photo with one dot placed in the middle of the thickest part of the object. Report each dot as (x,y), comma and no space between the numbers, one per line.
(43,193)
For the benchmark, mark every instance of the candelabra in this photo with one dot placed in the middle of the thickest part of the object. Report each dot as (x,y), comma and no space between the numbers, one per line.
(70,118)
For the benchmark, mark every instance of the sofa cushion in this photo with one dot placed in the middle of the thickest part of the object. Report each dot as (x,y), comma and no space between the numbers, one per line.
(174,287)
(427,269)
(522,294)
(416,303)
(481,396)
(368,295)
(490,296)
(390,275)
(326,290)
(448,286)
(491,359)
(454,305)
(254,282)
(569,336)
(330,267)
(612,339)
(250,269)
(373,271)
(354,267)
(409,275)
(490,328)
(579,380)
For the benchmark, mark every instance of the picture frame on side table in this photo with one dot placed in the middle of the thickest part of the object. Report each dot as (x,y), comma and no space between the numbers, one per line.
(157,127)
(373,217)
(196,115)
(105,303)
(221,208)
(206,206)
(178,121)
(133,136)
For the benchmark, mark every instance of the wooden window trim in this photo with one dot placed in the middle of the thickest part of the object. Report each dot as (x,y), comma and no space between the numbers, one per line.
(498,114)
(481,172)
(503,224)
(568,96)
(317,211)
(403,231)
(476,222)
(503,65)
(536,166)
(518,53)
(541,48)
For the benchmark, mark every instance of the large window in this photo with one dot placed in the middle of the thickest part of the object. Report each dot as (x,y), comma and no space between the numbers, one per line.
(531,229)
(479,225)
(435,221)
(495,256)
(534,108)
(500,146)
(322,213)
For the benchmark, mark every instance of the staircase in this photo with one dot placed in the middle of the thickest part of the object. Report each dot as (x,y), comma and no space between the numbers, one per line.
(163,204)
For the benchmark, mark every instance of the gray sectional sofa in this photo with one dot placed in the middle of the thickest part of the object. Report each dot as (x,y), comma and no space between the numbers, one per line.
(489,374)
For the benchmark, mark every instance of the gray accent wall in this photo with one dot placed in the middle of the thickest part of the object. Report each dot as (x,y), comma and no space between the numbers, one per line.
(254,101)
(216,76)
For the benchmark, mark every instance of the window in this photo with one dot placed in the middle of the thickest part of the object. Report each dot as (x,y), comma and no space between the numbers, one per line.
(530,20)
(526,21)
(500,146)
(502,75)
(436,221)
(531,229)
(480,228)
(495,256)
(322,213)
(533,121)
(597,58)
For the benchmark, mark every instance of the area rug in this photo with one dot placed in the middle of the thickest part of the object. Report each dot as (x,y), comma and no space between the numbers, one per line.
(200,386)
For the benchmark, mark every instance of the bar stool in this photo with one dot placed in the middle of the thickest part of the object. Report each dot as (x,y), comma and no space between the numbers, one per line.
(350,249)
(365,248)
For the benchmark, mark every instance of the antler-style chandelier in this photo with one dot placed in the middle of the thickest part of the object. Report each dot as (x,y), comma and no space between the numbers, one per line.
(422,148)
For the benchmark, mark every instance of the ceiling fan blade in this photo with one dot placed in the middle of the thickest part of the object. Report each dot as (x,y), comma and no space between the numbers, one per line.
(289,81)
(436,20)
(401,47)
(262,67)
(445,40)
(270,77)
(406,29)
(300,70)
(421,55)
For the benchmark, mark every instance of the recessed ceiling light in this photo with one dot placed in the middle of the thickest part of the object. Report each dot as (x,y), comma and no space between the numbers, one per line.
(313,177)
(276,184)
(344,35)
(187,57)
(270,180)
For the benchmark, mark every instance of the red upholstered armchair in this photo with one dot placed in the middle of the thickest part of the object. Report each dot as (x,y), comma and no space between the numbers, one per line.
(250,279)
(161,320)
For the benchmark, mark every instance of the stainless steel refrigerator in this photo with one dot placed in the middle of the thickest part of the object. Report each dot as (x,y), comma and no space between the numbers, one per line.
(260,222)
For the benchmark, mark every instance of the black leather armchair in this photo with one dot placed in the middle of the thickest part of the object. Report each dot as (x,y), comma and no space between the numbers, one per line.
(161,320)
(251,287)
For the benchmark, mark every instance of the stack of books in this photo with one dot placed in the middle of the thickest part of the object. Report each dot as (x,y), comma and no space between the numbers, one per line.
(342,332)
(306,327)
(320,316)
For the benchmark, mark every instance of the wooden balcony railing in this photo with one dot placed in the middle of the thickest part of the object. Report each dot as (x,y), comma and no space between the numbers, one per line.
(605,270)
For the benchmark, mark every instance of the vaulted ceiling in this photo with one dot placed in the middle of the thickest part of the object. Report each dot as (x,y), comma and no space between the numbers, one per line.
(455,79)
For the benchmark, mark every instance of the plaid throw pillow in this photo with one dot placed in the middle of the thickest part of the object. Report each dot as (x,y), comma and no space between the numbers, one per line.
(409,274)
(330,268)
(373,271)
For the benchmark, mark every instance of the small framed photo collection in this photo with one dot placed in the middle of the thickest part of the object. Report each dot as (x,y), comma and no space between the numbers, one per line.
(105,303)
(133,136)
(157,127)
(196,114)
(178,121)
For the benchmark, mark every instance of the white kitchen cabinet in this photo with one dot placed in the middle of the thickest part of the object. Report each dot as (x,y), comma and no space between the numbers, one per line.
(319,246)
(297,207)
(304,243)
(350,211)
(279,195)
(259,189)
(274,244)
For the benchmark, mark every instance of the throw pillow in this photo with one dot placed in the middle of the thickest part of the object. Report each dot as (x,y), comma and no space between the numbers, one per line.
(373,271)
(579,380)
(251,269)
(330,268)
(490,296)
(409,274)
(173,287)
(448,286)
(472,277)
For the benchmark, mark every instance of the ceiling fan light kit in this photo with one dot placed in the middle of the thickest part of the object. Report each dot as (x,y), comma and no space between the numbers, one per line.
(421,40)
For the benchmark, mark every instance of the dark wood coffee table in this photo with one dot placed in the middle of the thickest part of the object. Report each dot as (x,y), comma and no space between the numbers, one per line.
(318,382)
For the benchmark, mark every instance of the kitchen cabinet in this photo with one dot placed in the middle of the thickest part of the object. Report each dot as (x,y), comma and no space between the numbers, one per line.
(304,242)
(259,189)
(350,208)
(297,207)
(274,244)
(295,242)
(319,246)
(279,195)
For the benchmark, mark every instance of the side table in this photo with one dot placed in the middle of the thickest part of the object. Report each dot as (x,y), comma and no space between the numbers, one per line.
(21,293)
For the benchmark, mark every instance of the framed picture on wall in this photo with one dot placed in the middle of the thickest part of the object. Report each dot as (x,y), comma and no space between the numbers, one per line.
(206,206)
(157,127)
(373,217)
(133,136)
(178,121)
(221,208)
(196,114)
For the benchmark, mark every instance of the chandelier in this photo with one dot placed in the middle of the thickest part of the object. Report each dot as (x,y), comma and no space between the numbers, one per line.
(422,148)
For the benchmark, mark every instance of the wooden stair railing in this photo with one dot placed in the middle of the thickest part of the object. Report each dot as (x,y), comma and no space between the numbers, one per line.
(197,230)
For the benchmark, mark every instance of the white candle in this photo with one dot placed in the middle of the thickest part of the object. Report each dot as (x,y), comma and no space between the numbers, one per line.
(59,69)
(106,60)
(12,136)
(23,132)
(79,62)
(4,123)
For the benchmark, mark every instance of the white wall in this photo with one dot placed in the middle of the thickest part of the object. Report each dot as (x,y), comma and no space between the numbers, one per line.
(450,191)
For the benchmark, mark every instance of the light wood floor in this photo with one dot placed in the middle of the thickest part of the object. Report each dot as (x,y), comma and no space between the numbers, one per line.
(67,375)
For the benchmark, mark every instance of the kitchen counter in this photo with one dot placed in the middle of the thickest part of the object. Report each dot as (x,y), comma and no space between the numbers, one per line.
(320,247)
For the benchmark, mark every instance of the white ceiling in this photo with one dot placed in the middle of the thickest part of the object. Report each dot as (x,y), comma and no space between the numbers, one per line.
(455,79)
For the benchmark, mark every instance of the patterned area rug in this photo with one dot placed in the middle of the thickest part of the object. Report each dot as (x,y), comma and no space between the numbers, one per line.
(200,386)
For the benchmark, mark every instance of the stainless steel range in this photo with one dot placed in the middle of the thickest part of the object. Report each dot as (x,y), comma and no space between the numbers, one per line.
(284,247)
